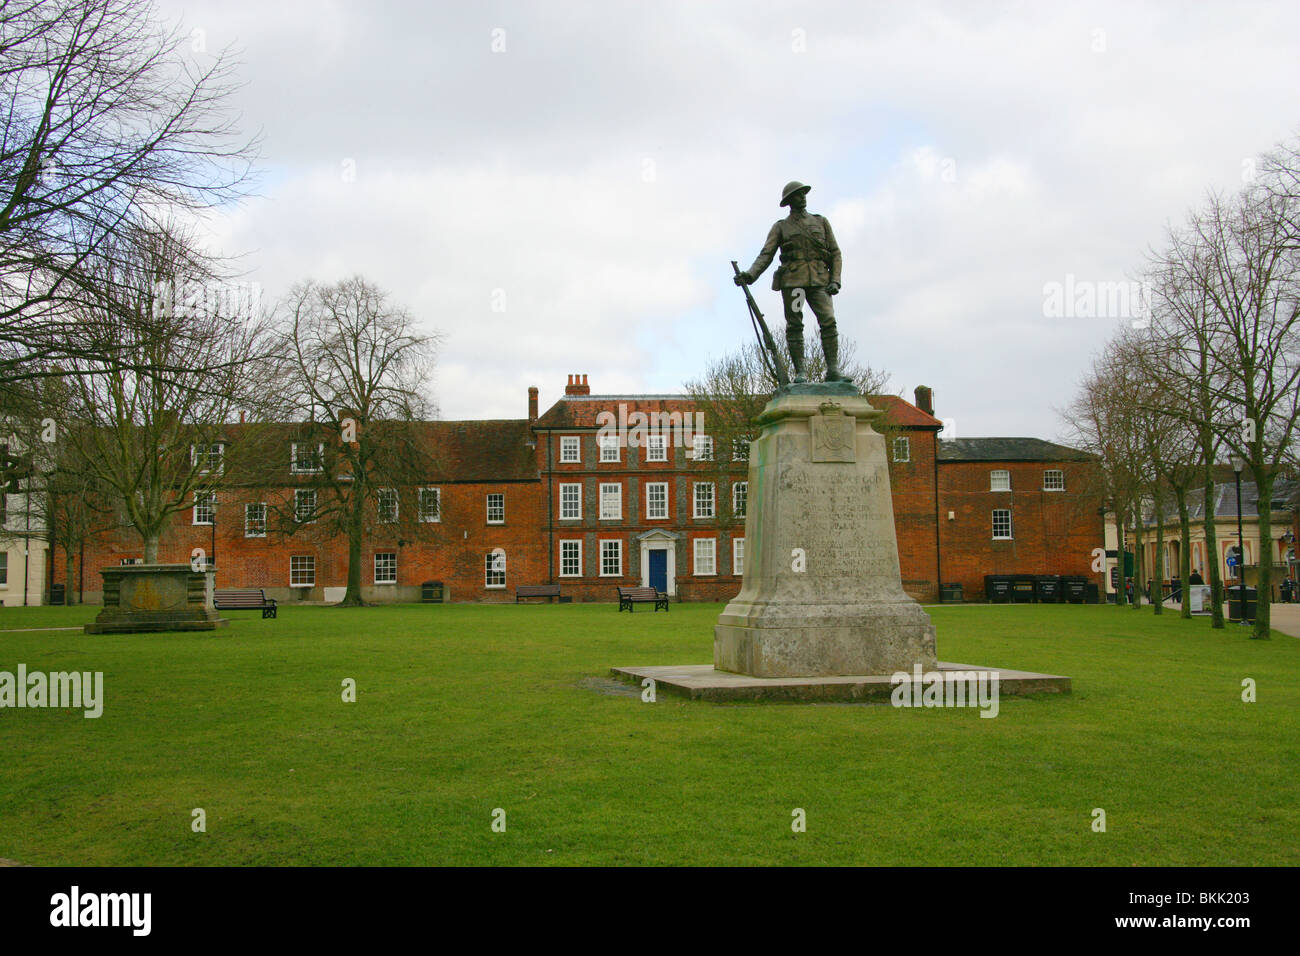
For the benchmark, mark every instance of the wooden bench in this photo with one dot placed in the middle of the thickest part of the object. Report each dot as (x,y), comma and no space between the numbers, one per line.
(630,596)
(244,599)
(547,591)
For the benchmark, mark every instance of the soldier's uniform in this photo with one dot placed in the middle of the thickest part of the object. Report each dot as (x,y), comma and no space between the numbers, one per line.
(810,260)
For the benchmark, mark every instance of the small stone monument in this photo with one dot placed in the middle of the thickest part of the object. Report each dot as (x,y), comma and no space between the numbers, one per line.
(822,592)
(157,597)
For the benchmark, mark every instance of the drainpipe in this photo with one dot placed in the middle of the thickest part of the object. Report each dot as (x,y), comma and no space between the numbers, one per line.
(550,515)
(938,553)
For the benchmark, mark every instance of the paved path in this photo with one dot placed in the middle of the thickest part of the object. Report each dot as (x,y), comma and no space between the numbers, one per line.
(1285,618)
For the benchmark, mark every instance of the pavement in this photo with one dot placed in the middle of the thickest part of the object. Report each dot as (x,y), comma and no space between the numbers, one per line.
(1285,618)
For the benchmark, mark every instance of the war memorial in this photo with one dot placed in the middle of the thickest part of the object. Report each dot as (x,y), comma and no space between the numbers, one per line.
(822,613)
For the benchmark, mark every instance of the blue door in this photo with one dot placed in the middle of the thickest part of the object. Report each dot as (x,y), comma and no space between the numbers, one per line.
(658,569)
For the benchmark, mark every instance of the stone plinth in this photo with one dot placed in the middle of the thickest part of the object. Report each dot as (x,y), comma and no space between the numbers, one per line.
(157,597)
(822,593)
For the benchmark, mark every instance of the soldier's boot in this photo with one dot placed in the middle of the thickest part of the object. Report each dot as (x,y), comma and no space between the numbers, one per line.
(831,349)
(794,340)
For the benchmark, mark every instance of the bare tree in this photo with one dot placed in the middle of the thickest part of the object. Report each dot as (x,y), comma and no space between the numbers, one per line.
(108,122)
(1233,334)
(358,370)
(154,428)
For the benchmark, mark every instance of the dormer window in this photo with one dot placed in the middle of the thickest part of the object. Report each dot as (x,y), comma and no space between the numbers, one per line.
(208,459)
(306,458)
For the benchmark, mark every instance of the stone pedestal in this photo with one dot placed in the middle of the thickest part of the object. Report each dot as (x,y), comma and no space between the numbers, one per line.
(822,593)
(157,597)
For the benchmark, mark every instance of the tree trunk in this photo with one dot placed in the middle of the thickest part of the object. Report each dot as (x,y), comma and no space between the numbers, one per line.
(1212,548)
(1158,600)
(1139,566)
(151,549)
(1263,559)
(356,529)
(1121,596)
(69,569)
(1184,551)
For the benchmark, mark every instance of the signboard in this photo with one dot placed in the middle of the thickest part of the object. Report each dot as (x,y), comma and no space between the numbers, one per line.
(1199,597)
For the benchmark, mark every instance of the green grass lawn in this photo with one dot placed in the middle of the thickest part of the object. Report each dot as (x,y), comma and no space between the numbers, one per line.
(462,709)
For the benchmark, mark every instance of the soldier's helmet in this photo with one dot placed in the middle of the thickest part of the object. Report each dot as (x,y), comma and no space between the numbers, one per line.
(792,187)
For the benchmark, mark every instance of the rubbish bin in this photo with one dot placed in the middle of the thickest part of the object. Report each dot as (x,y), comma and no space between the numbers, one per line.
(1047,588)
(1234,604)
(431,592)
(1074,588)
(1091,593)
(1022,588)
(997,588)
(58,594)
(950,593)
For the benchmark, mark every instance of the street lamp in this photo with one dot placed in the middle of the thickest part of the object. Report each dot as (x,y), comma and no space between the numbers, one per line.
(1238,466)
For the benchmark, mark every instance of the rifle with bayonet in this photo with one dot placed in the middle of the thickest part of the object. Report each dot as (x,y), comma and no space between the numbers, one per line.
(772,360)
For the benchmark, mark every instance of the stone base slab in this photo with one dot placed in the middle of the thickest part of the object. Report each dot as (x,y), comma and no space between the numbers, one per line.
(150,627)
(823,641)
(705,682)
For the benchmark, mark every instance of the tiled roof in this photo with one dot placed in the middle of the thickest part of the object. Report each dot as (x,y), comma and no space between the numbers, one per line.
(483,450)
(580,411)
(1285,494)
(1008,449)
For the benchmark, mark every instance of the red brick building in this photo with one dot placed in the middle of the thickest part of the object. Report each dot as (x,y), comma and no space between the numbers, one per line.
(1015,506)
(543,500)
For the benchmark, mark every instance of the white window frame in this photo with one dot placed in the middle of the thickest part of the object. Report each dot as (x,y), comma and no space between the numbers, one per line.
(1060,486)
(617,547)
(617,499)
(298,493)
(379,505)
(490,570)
(575,488)
(437,505)
(208,499)
(571,542)
(220,446)
(1010,535)
(738,556)
(695,499)
(656,447)
(570,443)
(381,554)
(906,446)
(712,555)
(740,449)
(701,448)
(609,448)
(740,499)
(648,511)
(995,475)
(502,496)
(249,522)
(294,459)
(308,567)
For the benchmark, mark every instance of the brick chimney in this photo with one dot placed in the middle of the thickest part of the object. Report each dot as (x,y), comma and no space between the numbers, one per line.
(924,399)
(532,403)
(577,385)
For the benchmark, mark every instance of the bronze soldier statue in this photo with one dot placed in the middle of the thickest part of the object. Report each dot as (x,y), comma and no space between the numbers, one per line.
(809,272)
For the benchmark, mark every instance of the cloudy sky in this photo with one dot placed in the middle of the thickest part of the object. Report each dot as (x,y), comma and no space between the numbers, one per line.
(560,187)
